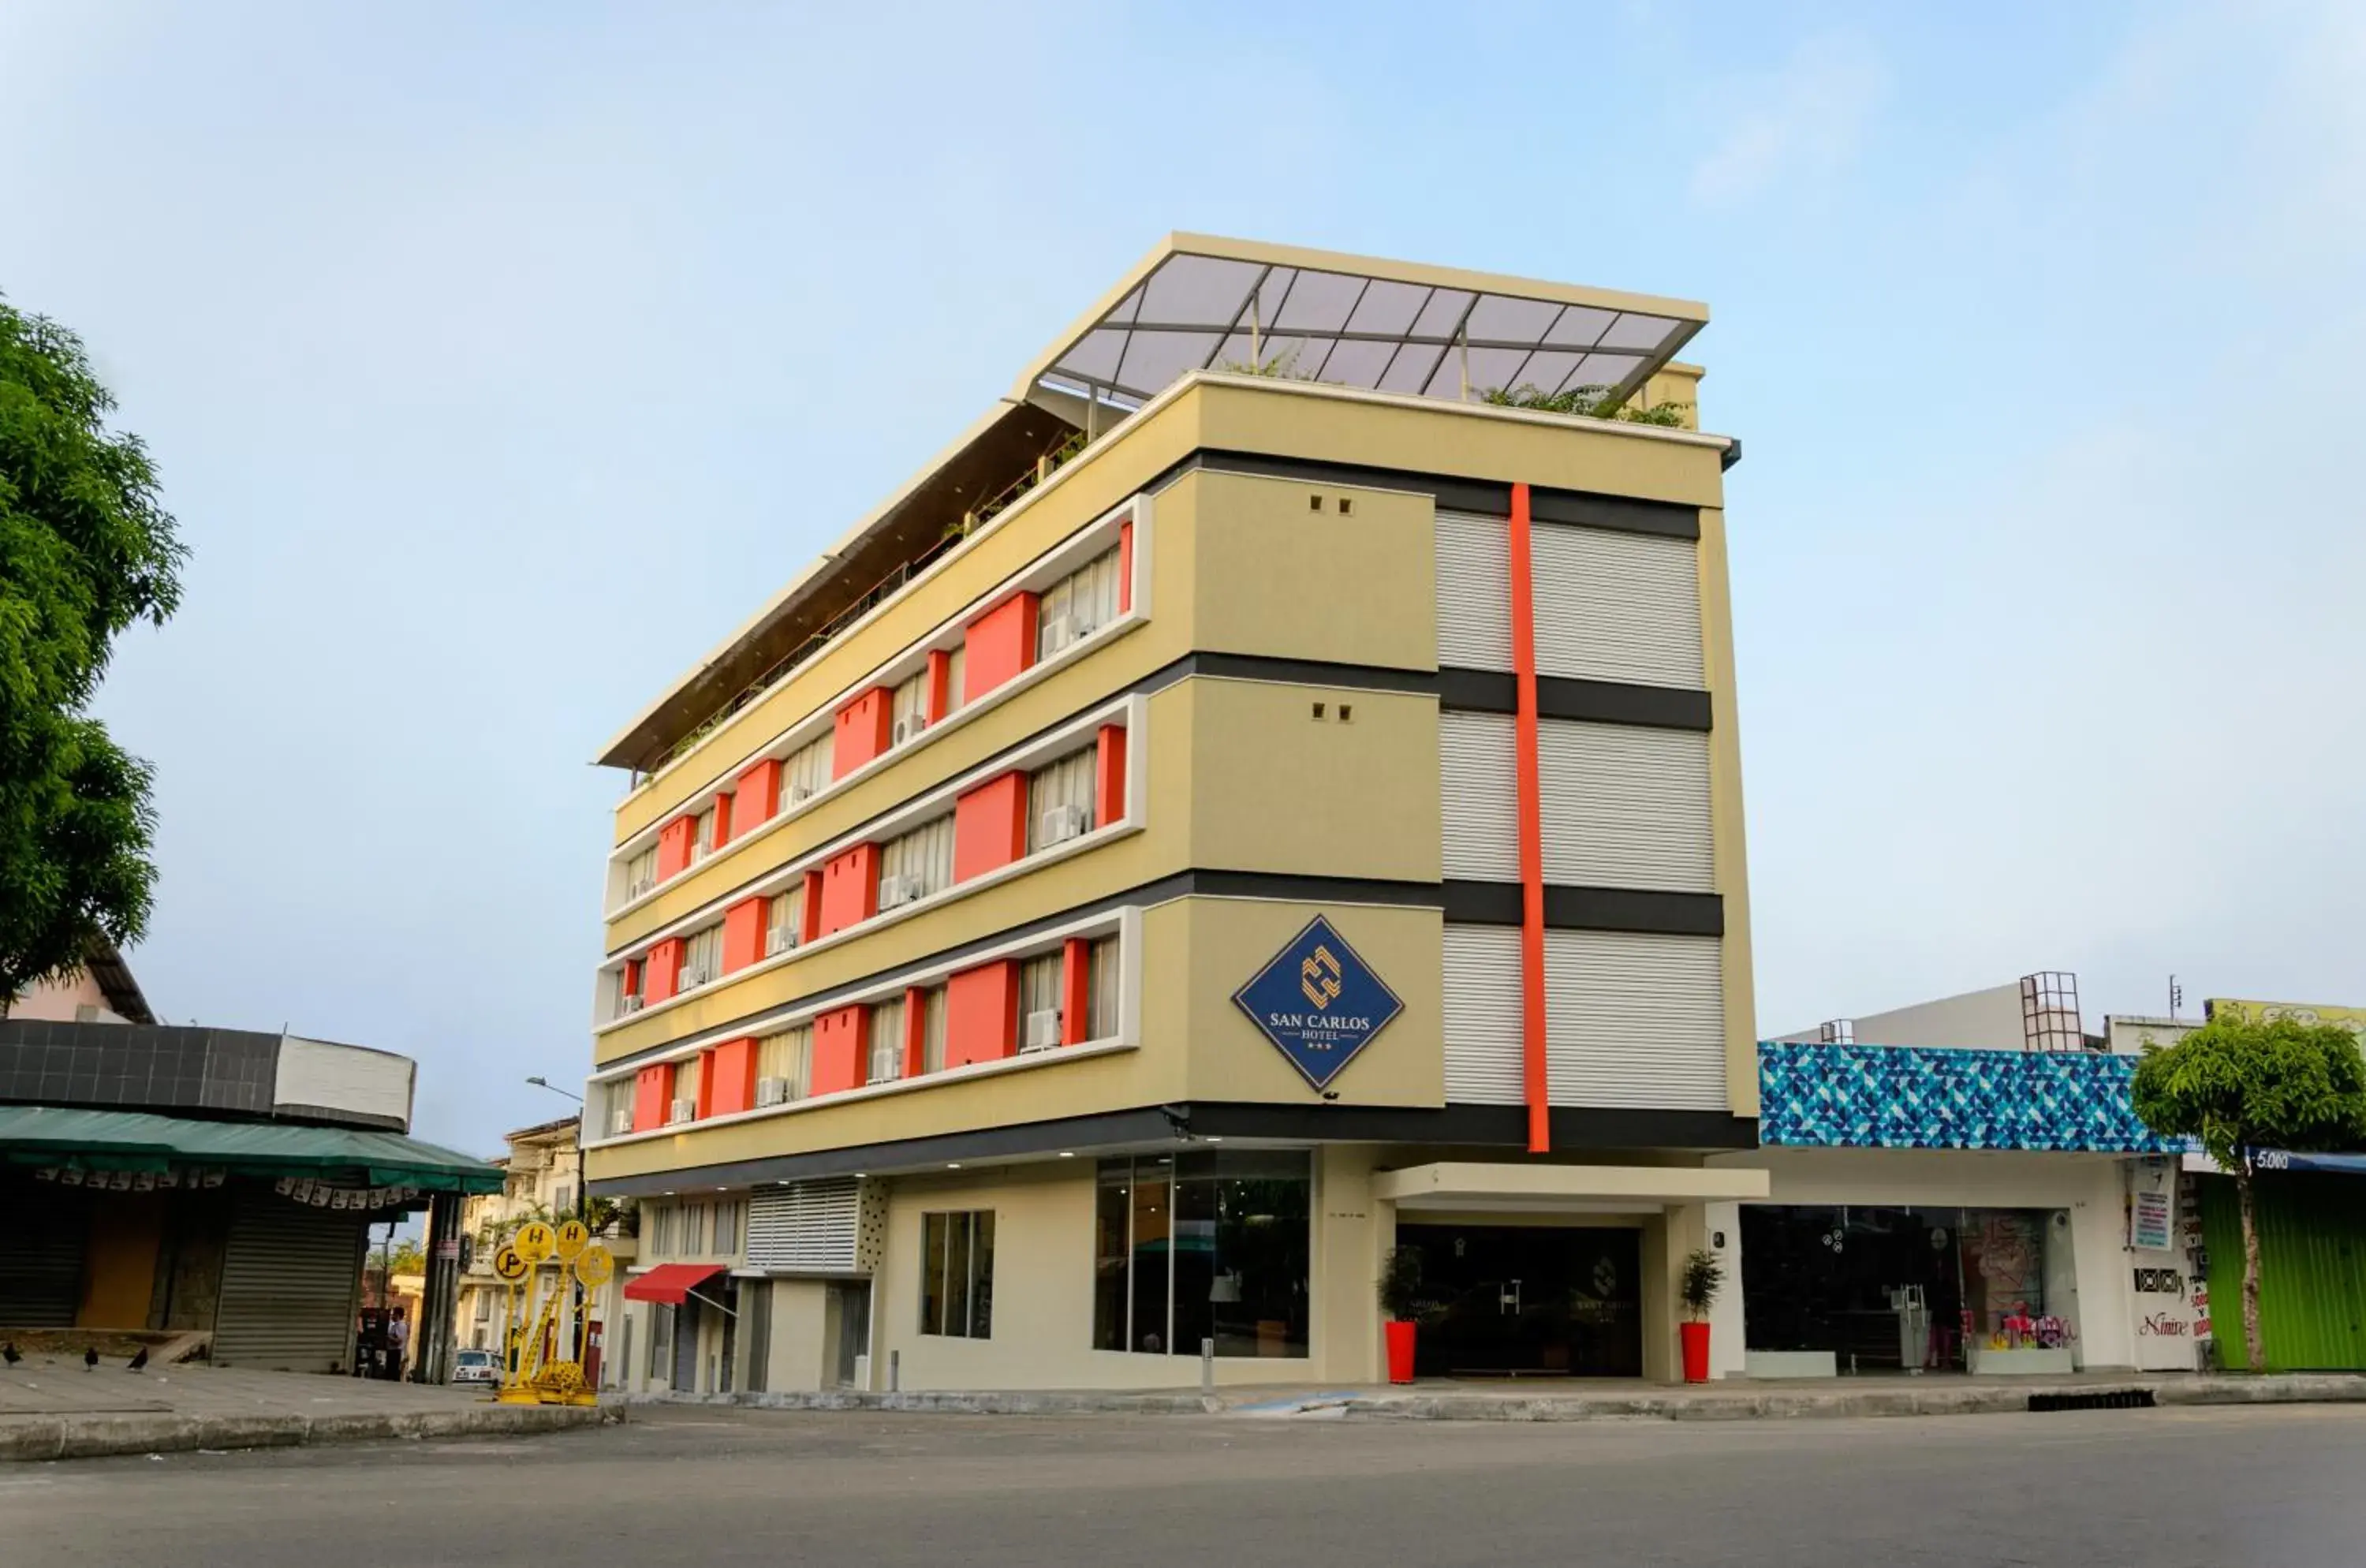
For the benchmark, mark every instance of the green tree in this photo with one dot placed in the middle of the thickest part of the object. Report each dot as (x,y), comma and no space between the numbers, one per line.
(85,550)
(2236,1086)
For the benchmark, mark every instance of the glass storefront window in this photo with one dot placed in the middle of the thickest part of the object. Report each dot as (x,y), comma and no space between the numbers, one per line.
(1196,1246)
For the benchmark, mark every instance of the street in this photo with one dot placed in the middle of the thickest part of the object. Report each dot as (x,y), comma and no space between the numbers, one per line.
(693,1486)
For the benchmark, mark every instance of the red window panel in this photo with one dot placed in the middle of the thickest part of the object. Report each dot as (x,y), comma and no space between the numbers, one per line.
(981,1014)
(862,731)
(1109,777)
(743,933)
(850,888)
(1001,644)
(990,826)
(841,1049)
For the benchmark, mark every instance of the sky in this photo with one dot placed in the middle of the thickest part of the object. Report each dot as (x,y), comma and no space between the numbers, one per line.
(499,360)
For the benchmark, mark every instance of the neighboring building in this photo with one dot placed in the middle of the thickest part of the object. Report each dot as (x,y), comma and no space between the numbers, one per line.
(542,1178)
(1204,828)
(101,991)
(206,1180)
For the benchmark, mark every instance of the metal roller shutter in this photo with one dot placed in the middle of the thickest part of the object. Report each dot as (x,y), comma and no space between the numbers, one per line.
(1634,1020)
(1479,838)
(1625,807)
(1485,1060)
(41,1234)
(1614,606)
(1474,592)
(292,1286)
(806,1227)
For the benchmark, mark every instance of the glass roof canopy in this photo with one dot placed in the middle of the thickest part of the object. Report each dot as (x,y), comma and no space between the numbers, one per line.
(1202,304)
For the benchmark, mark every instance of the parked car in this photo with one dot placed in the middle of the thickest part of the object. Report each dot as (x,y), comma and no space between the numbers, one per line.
(476,1366)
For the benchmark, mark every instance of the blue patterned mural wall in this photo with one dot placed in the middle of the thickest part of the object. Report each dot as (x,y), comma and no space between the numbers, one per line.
(1904,1097)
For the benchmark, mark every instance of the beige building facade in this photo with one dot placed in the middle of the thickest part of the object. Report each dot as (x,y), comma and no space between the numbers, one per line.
(1267,795)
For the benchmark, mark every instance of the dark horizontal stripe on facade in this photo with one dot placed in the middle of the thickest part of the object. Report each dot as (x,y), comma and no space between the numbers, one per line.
(1474,903)
(1589,908)
(1620,514)
(1180,1125)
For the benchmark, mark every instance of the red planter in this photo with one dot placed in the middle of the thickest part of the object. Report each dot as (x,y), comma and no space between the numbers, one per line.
(1696,1339)
(1400,1351)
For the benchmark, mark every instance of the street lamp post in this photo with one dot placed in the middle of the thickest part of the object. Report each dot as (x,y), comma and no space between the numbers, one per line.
(580,1323)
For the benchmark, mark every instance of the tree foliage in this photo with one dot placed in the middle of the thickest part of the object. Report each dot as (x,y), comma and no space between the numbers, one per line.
(2234,1085)
(87,550)
(1594,403)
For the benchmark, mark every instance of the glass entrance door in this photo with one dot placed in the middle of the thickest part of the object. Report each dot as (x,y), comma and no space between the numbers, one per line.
(1530,1301)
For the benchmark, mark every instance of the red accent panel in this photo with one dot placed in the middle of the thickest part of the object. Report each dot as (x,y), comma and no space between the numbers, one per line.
(1124,566)
(728,1080)
(1001,644)
(810,910)
(632,986)
(1075,990)
(841,1049)
(674,841)
(990,826)
(1109,777)
(722,821)
(1531,826)
(664,976)
(705,1085)
(743,934)
(864,728)
(758,798)
(940,677)
(916,1031)
(850,888)
(981,1014)
(651,1087)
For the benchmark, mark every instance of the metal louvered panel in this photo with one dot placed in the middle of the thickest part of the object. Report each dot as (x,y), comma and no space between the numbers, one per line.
(41,1231)
(1485,1063)
(1614,606)
(290,1286)
(806,1227)
(1634,1020)
(1625,807)
(1474,595)
(1479,838)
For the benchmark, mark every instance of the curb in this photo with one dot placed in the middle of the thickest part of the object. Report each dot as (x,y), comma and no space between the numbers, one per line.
(972,1403)
(93,1436)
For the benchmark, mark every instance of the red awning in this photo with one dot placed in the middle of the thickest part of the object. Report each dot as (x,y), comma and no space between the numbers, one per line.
(669,1282)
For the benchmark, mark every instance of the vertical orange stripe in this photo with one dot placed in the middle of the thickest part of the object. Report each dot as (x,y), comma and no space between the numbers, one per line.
(1532,830)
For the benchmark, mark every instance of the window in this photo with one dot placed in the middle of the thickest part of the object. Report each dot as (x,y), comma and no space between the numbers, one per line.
(907,709)
(787,1056)
(663,1228)
(1060,800)
(956,672)
(887,1042)
(641,873)
(1077,605)
(1038,1001)
(1196,1246)
(685,1089)
(806,770)
(784,920)
(702,957)
(693,1229)
(702,834)
(957,1274)
(933,1032)
(727,1225)
(1102,988)
(920,861)
(484,1305)
(562,1200)
(661,1344)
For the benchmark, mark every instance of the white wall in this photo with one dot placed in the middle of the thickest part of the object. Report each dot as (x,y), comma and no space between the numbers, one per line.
(329,1077)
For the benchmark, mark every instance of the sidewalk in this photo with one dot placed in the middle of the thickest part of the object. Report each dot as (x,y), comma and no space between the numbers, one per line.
(50,1408)
(1734,1399)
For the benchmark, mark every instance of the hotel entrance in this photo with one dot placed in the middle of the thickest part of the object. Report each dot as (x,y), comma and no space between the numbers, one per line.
(1529,1300)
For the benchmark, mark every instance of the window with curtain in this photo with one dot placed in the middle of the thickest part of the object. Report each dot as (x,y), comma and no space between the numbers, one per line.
(806,770)
(956,672)
(685,1081)
(1038,999)
(702,835)
(1101,982)
(663,1228)
(932,1037)
(784,918)
(1203,1247)
(1077,605)
(1060,800)
(908,708)
(728,1215)
(641,873)
(693,1229)
(887,1042)
(924,856)
(788,1056)
(957,1274)
(702,956)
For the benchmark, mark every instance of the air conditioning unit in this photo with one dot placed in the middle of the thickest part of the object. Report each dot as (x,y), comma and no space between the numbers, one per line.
(690,977)
(800,792)
(771,1091)
(1059,632)
(1060,823)
(620,1119)
(898,890)
(632,1004)
(684,1110)
(908,727)
(779,941)
(1042,1030)
(634,889)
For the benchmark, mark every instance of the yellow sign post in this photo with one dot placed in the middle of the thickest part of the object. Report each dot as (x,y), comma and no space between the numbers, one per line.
(536,1371)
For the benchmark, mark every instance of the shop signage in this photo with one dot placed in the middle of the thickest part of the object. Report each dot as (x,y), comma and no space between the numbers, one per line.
(1318,1002)
(2149,1220)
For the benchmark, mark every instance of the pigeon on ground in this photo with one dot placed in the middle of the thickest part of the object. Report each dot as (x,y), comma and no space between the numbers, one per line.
(10,1354)
(139,1359)
(90,1358)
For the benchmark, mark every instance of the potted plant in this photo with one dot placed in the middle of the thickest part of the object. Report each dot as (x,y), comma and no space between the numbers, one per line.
(1401,1299)
(1704,1276)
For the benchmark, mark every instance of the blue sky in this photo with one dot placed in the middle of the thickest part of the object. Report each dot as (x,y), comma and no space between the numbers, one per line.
(499,360)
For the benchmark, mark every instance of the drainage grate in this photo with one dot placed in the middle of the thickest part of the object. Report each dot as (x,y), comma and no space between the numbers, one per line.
(2101,1399)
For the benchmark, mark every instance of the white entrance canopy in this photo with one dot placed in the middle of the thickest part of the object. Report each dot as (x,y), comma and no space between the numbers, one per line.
(1622,1189)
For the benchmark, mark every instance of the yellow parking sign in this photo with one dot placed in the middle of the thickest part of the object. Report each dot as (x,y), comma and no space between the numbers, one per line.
(509,1266)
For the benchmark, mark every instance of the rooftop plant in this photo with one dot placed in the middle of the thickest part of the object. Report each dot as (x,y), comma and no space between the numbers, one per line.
(1594,403)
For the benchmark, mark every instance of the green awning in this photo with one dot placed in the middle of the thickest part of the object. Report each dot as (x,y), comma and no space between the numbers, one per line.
(72,1139)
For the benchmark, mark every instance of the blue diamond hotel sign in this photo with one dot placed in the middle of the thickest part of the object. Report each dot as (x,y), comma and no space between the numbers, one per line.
(1318,1002)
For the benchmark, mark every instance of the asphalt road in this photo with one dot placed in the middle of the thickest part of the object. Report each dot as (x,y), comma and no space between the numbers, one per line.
(681,1488)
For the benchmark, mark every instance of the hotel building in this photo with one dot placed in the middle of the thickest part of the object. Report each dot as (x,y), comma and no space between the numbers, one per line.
(1268,793)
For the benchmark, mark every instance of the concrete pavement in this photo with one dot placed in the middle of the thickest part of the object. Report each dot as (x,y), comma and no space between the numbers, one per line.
(2182,1488)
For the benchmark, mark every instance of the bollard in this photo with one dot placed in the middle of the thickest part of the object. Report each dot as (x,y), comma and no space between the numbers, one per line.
(1207,1366)
(894,1372)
